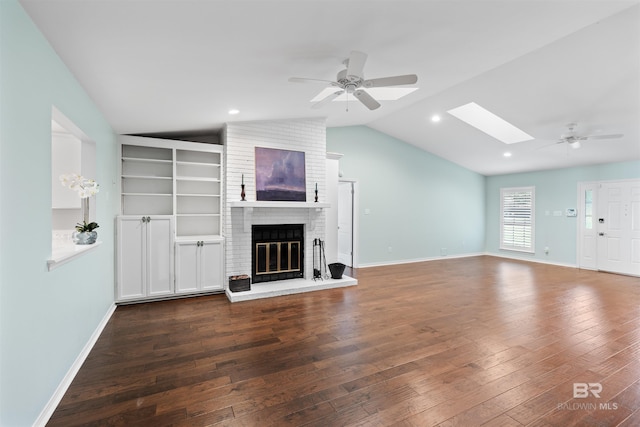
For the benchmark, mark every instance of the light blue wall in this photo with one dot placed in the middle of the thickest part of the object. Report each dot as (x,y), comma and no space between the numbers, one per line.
(46,318)
(418,202)
(556,190)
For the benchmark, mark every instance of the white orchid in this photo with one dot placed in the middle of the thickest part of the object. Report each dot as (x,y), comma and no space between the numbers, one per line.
(84,186)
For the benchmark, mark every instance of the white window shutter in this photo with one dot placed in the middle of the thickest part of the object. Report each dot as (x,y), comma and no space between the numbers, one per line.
(517,219)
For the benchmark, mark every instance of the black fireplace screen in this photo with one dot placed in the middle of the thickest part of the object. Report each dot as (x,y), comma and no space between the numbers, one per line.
(277,252)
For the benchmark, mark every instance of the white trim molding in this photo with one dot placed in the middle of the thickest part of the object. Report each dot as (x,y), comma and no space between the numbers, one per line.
(411,261)
(530,259)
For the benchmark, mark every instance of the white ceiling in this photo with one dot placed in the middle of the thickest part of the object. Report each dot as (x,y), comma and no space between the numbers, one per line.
(168,66)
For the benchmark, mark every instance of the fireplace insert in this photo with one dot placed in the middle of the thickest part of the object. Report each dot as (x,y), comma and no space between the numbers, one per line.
(277,252)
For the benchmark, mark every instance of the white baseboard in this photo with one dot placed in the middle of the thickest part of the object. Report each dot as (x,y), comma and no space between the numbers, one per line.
(498,255)
(537,260)
(411,261)
(57,396)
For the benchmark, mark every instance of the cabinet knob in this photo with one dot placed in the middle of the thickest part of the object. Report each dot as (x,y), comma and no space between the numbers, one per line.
(148,219)
(144,219)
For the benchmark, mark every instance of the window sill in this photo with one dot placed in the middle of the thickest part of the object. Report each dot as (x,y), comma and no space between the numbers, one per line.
(64,254)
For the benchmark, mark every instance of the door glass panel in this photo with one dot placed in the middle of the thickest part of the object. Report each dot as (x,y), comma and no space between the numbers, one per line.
(588,209)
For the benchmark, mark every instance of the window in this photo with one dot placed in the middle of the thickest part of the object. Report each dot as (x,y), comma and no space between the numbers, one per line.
(517,219)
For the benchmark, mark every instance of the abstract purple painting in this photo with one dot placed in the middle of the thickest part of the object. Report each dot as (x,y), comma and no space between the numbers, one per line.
(280,175)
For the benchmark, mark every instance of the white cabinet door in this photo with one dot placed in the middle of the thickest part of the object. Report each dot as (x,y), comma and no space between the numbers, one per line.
(131,260)
(199,266)
(187,254)
(159,256)
(211,266)
(145,257)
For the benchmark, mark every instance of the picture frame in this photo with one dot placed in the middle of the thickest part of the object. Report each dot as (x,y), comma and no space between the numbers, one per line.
(280,175)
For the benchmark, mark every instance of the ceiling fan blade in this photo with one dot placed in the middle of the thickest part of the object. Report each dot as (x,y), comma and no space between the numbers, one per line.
(614,136)
(407,79)
(305,80)
(549,145)
(327,99)
(366,99)
(356,64)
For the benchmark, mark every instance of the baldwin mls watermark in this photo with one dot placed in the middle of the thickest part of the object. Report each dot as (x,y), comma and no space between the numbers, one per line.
(583,391)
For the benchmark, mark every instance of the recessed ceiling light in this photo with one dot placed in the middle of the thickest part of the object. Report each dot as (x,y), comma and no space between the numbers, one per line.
(489,123)
(507,154)
(234,111)
(435,118)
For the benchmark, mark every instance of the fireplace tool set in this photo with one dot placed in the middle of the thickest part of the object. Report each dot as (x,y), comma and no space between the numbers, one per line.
(319,261)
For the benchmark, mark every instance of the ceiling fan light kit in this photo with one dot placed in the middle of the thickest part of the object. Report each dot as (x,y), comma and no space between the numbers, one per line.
(351,82)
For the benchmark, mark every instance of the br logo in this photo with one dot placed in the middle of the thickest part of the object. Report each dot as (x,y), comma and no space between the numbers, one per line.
(582,390)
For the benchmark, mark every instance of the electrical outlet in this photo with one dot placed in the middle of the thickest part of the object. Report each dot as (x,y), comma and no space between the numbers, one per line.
(389,249)
(443,251)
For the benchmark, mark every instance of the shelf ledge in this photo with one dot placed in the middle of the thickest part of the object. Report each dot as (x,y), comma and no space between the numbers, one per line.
(63,255)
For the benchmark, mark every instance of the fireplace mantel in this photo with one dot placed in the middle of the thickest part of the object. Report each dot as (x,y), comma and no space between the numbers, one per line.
(249,207)
(287,205)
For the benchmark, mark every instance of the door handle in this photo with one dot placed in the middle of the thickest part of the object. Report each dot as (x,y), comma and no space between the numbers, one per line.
(600,234)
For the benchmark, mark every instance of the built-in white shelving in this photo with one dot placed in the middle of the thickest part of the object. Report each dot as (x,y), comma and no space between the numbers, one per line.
(198,196)
(147,180)
(176,183)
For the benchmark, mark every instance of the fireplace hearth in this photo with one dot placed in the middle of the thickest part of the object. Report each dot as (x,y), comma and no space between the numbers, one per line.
(277,252)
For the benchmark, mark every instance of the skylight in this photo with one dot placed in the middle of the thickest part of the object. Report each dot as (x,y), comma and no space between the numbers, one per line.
(379,93)
(489,123)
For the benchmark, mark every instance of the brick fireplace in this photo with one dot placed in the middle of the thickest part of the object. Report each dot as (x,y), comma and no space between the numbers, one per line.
(240,140)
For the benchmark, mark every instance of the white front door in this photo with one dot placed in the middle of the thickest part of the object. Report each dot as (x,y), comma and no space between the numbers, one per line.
(345,223)
(618,226)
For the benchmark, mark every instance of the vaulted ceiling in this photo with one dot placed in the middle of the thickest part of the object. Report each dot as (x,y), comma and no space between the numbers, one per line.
(180,66)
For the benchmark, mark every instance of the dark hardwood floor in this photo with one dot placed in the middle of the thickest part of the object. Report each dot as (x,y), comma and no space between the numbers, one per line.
(459,342)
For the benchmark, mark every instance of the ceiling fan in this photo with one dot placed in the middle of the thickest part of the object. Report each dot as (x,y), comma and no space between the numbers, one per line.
(352,82)
(574,140)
